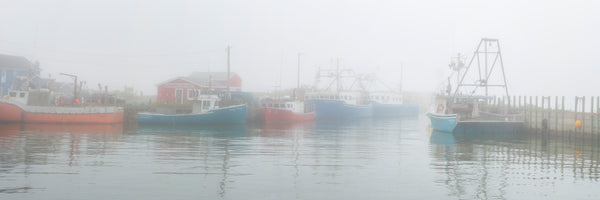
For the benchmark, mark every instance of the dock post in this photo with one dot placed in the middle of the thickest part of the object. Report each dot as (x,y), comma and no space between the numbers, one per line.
(583,114)
(556,113)
(577,98)
(526,111)
(503,105)
(530,112)
(519,103)
(563,114)
(512,106)
(591,116)
(536,113)
(543,110)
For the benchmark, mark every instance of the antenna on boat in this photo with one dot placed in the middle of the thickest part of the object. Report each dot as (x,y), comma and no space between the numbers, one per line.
(74,85)
(337,75)
(491,48)
(296,96)
(401,76)
(228,101)
(298,85)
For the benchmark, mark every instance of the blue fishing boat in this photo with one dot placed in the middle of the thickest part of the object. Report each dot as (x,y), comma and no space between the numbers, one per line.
(339,102)
(390,104)
(443,122)
(205,110)
(340,109)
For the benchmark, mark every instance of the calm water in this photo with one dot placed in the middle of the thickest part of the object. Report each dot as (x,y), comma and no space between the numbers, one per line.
(365,159)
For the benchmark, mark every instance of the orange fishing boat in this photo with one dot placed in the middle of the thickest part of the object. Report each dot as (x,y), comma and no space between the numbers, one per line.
(18,107)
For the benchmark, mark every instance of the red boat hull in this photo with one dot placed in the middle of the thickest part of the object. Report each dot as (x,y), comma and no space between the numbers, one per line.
(12,113)
(280,115)
(90,118)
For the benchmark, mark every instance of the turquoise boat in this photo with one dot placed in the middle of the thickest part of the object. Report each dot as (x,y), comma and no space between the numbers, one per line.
(205,111)
(228,115)
(443,122)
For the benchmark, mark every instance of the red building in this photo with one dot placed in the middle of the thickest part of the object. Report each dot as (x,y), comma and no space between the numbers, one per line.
(179,89)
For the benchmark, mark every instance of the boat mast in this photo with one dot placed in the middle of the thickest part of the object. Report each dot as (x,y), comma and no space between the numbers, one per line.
(296,96)
(298,85)
(228,100)
(74,85)
(401,76)
(337,75)
(493,50)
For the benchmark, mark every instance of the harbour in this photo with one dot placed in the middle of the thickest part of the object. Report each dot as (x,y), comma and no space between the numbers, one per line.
(337,99)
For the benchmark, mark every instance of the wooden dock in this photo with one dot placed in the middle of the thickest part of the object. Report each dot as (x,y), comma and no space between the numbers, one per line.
(553,115)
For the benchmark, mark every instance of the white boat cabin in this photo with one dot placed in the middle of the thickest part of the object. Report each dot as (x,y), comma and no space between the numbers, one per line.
(17,96)
(284,104)
(385,97)
(350,97)
(205,103)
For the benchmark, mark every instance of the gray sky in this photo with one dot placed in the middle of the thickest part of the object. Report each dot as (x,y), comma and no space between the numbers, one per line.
(549,47)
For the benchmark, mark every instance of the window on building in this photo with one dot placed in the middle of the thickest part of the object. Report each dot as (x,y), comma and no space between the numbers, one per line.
(192,94)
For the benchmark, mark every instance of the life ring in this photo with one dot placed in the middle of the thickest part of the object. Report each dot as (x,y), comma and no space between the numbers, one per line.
(440,108)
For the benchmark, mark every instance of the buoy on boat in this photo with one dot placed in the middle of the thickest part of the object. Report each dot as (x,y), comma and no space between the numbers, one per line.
(577,124)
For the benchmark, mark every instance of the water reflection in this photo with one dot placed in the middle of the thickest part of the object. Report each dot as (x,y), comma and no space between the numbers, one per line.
(482,163)
(352,159)
(26,149)
(220,131)
(203,150)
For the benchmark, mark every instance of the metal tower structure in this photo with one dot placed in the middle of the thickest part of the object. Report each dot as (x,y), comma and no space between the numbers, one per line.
(487,49)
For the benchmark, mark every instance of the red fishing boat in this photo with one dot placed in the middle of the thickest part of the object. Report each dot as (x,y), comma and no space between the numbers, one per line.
(34,107)
(286,110)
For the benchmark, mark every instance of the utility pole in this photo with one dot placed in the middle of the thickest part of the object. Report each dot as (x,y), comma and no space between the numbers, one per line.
(228,77)
(74,85)
(298,86)
(296,96)
(337,74)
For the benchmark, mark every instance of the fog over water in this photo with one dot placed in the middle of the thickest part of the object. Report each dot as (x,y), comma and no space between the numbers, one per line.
(549,47)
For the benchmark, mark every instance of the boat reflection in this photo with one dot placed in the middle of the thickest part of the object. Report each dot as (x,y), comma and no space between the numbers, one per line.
(237,130)
(442,138)
(12,129)
(325,126)
(18,128)
(286,130)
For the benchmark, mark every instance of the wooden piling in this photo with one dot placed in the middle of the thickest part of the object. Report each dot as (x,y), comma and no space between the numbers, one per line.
(536,112)
(563,114)
(556,113)
(592,117)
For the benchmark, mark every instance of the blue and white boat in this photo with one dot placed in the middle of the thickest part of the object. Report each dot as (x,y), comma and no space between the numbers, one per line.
(390,104)
(205,111)
(443,122)
(340,105)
